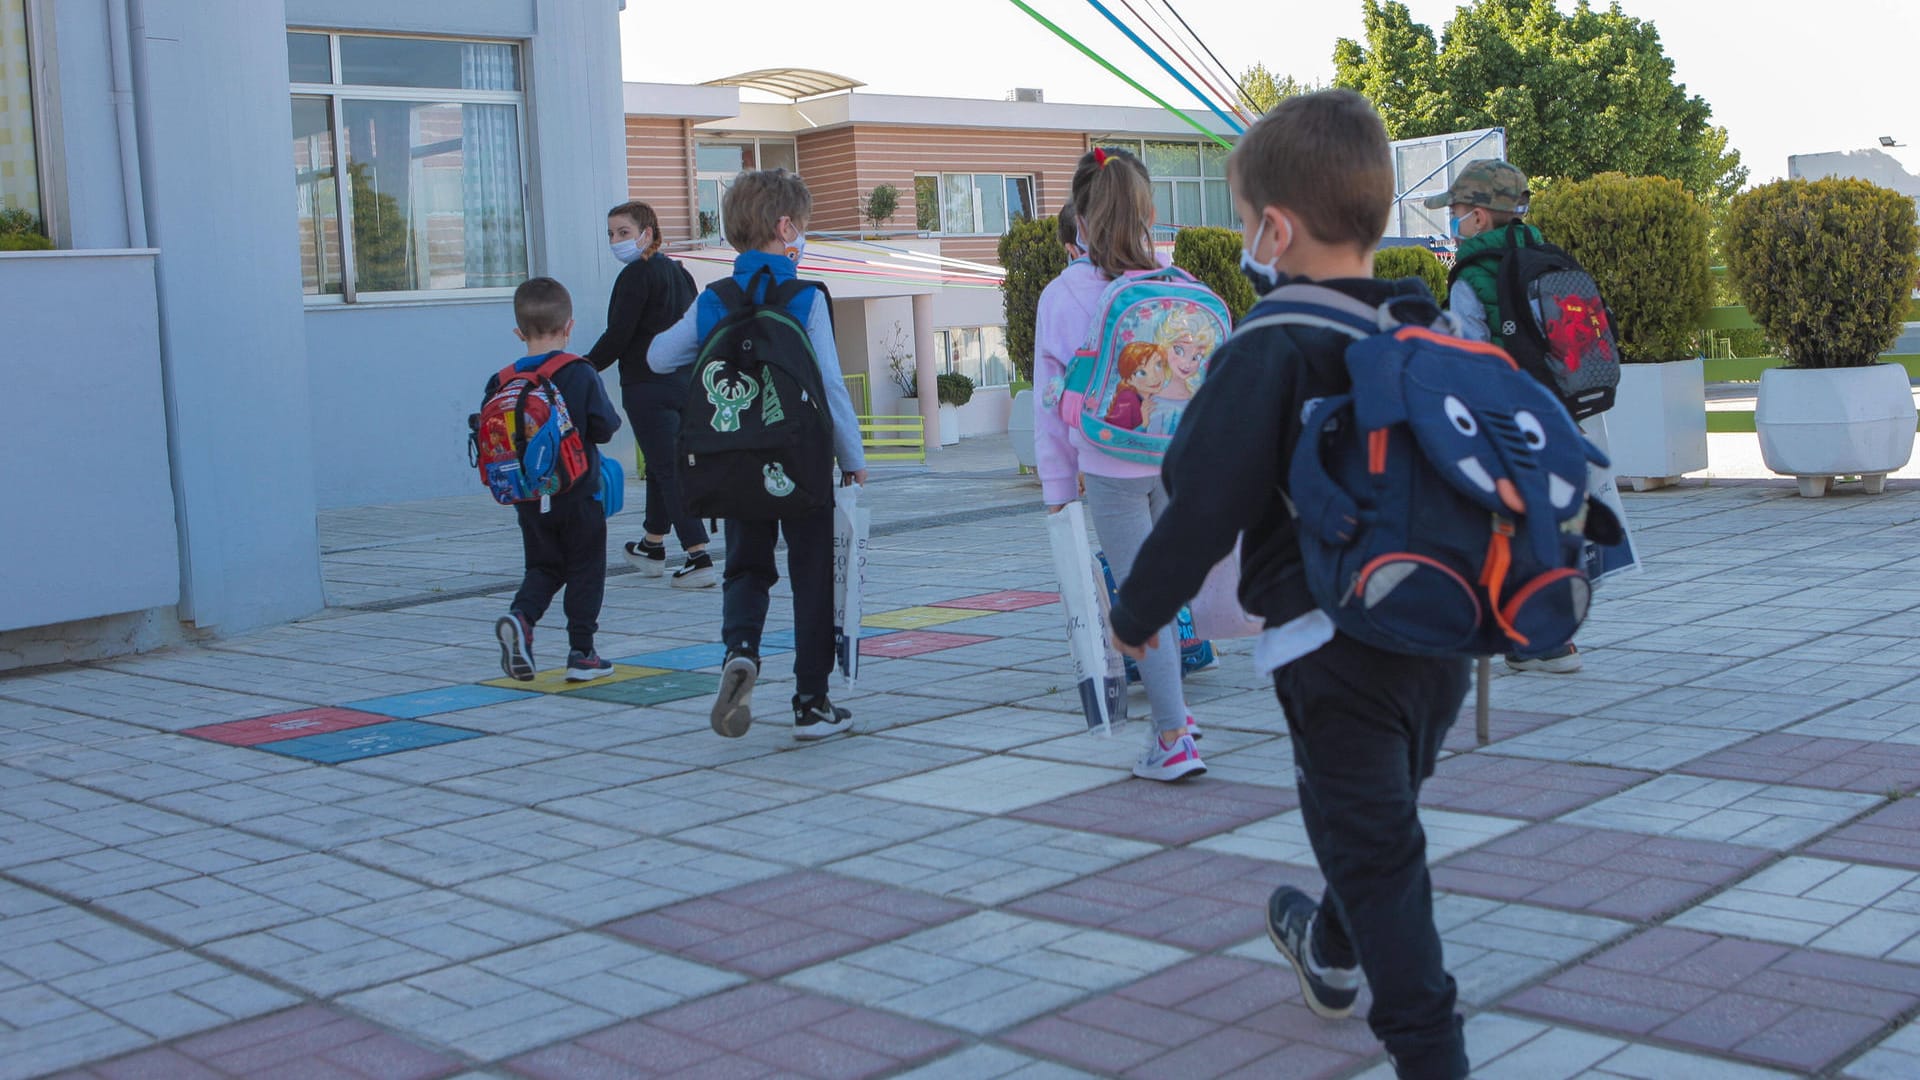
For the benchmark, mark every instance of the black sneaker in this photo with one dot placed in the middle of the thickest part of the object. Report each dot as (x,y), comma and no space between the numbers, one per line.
(647,557)
(696,573)
(733,709)
(1330,993)
(817,718)
(582,666)
(516,645)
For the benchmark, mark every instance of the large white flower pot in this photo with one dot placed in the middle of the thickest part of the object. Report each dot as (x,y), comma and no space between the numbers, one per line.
(1657,428)
(1819,423)
(949,424)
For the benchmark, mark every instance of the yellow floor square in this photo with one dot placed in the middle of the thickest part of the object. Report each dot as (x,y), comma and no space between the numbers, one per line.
(919,618)
(554,680)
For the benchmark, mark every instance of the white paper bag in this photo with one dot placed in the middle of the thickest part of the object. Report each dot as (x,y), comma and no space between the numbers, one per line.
(1098,675)
(852,523)
(1217,614)
(1620,558)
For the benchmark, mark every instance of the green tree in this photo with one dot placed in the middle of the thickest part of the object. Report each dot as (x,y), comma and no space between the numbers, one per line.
(1579,93)
(1032,255)
(1261,89)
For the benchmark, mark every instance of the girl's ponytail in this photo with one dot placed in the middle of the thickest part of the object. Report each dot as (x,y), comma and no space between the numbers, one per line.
(1113,196)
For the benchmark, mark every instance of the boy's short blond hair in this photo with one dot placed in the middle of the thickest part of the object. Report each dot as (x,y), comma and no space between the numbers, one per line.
(756,202)
(542,307)
(1325,158)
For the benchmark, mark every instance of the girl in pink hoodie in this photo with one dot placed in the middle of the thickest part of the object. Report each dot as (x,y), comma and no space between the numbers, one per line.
(1112,205)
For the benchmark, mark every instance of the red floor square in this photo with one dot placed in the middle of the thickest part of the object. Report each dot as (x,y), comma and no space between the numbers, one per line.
(1889,835)
(1521,787)
(1836,764)
(1602,871)
(1011,600)
(1770,1004)
(756,1031)
(1171,814)
(769,928)
(280,726)
(916,643)
(1193,899)
(1501,724)
(307,1041)
(1209,1017)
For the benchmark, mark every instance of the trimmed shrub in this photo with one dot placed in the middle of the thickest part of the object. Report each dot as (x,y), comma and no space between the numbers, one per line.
(1032,256)
(1646,242)
(953,388)
(1413,260)
(1213,256)
(1826,267)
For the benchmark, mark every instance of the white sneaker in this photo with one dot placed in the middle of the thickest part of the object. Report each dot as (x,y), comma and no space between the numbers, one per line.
(1168,763)
(1561,663)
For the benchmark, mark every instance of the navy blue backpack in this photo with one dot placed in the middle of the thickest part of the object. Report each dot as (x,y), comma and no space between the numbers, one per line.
(1442,502)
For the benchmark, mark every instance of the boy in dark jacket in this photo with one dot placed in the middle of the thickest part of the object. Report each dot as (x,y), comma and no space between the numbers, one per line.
(1313,182)
(565,537)
(651,294)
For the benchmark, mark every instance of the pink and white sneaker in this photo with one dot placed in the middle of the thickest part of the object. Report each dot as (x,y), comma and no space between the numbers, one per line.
(1193,728)
(1168,763)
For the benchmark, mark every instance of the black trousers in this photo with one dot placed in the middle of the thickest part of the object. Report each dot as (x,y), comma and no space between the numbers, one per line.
(1367,727)
(565,547)
(653,410)
(749,580)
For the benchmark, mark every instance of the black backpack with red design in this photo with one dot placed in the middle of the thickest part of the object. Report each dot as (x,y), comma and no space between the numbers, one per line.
(1554,323)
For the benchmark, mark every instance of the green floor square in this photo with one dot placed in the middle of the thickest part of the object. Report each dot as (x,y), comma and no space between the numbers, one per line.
(654,689)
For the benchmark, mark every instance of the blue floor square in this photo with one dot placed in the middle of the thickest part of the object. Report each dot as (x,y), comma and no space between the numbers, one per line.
(692,657)
(433,702)
(353,744)
(784,638)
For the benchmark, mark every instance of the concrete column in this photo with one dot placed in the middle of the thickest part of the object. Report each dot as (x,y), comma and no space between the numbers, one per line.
(926,364)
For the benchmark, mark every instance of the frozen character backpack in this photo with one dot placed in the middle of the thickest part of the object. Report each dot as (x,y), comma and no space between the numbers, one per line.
(1442,502)
(1152,336)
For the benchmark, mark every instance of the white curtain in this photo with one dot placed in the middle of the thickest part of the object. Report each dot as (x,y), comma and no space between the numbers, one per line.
(19,179)
(496,232)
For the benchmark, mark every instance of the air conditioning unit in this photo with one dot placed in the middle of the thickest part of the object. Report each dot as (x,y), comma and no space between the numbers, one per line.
(1026,93)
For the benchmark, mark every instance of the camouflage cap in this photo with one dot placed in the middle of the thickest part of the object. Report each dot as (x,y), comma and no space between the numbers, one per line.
(1489,182)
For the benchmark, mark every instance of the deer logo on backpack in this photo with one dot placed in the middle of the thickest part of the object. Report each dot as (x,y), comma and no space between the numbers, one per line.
(730,397)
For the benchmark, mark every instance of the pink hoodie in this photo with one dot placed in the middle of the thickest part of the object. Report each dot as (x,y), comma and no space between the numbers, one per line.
(1068,306)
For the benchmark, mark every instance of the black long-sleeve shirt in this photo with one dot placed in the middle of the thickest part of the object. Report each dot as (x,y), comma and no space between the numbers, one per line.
(648,296)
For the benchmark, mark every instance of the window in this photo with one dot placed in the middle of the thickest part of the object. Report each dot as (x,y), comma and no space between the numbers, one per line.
(717,161)
(971,204)
(978,352)
(1189,180)
(19,168)
(426,134)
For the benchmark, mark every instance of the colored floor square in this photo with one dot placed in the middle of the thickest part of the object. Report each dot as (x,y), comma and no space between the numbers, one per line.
(1193,899)
(1889,835)
(691,657)
(783,640)
(1602,871)
(1839,764)
(1164,813)
(555,681)
(374,740)
(916,643)
(1767,1003)
(1010,600)
(281,726)
(919,618)
(1213,1016)
(1521,787)
(433,702)
(310,1040)
(769,928)
(754,1031)
(654,689)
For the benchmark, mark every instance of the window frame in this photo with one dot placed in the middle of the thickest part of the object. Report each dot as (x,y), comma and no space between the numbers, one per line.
(939,179)
(945,337)
(1204,180)
(724,180)
(47,174)
(337,93)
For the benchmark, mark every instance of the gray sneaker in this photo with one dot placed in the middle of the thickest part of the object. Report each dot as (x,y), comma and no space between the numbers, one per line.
(1564,662)
(1330,993)
(733,709)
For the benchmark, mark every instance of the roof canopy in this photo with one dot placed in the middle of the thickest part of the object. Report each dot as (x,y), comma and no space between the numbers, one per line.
(790,83)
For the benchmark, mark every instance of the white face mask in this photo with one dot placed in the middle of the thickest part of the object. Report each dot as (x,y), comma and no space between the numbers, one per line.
(797,246)
(1265,276)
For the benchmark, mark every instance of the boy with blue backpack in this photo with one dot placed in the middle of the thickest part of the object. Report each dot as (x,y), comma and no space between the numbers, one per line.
(1408,499)
(535,442)
(767,415)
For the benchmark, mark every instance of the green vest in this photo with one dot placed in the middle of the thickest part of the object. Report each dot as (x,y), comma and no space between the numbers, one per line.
(1476,263)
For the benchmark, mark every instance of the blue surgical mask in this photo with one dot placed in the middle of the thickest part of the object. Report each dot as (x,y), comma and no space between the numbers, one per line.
(627,251)
(1265,276)
(1453,226)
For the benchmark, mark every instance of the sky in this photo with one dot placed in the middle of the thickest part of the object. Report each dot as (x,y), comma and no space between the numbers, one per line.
(1783,78)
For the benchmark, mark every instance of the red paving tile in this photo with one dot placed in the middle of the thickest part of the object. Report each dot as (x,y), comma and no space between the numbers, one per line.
(1172,814)
(769,928)
(1770,1004)
(1214,1016)
(1191,899)
(760,1030)
(1011,600)
(1521,787)
(307,1041)
(293,725)
(1501,724)
(1837,764)
(916,643)
(1602,871)
(1890,835)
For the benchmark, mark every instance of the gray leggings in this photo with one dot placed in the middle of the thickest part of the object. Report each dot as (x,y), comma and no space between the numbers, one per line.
(1123,512)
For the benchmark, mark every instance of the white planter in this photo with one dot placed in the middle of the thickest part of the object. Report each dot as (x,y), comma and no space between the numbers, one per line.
(1816,424)
(1657,428)
(949,424)
(1020,429)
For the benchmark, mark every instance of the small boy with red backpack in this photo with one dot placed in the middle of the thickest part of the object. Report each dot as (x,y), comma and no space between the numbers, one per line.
(535,444)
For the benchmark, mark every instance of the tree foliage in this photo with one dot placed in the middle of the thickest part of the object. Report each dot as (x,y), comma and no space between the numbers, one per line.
(1213,256)
(1394,263)
(1261,89)
(1032,255)
(1579,93)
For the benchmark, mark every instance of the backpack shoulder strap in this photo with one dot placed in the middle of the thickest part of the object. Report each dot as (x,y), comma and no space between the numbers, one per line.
(731,295)
(553,365)
(1319,307)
